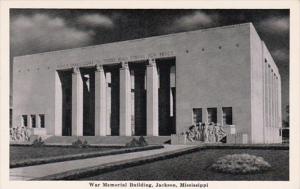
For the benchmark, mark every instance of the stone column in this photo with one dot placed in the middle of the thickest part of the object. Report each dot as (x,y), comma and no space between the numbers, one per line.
(108,103)
(125,100)
(204,115)
(264,98)
(56,128)
(38,121)
(100,101)
(279,102)
(272,97)
(268,97)
(77,103)
(220,115)
(152,99)
(29,121)
(276,100)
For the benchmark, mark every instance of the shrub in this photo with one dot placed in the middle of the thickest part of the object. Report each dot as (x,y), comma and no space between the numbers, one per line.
(137,143)
(38,142)
(142,141)
(80,144)
(240,164)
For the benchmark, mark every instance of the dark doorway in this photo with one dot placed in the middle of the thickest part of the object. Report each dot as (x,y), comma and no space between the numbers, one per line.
(165,92)
(138,70)
(66,85)
(114,86)
(88,79)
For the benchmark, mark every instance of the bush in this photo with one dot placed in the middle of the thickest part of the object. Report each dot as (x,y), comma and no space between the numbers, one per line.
(142,141)
(137,143)
(80,144)
(38,142)
(240,164)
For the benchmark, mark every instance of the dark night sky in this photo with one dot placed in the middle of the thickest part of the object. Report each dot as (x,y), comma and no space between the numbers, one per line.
(40,30)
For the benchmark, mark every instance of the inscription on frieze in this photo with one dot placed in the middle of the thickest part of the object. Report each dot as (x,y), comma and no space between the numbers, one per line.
(130,58)
(70,65)
(139,57)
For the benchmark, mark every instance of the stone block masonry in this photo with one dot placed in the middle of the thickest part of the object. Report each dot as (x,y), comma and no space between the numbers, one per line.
(153,86)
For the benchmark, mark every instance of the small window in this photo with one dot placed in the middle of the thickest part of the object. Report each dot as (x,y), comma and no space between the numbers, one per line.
(42,120)
(227,115)
(24,121)
(10,117)
(212,115)
(33,121)
(280,132)
(197,115)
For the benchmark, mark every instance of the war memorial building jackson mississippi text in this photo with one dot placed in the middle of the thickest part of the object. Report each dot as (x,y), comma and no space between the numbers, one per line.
(156,86)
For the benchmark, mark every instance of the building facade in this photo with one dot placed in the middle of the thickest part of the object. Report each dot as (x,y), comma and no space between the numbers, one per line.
(154,86)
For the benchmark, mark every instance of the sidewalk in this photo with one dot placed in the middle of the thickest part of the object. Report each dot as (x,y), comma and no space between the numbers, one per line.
(37,171)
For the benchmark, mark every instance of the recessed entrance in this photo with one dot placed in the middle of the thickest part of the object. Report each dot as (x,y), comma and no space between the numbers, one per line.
(88,79)
(66,89)
(166,96)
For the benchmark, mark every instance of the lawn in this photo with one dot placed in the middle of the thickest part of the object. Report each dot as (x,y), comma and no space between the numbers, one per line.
(22,153)
(196,166)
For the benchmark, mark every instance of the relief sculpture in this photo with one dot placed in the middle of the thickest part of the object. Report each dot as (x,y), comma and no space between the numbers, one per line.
(206,132)
(19,134)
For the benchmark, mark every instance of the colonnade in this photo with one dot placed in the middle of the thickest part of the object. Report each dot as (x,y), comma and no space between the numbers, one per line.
(125,100)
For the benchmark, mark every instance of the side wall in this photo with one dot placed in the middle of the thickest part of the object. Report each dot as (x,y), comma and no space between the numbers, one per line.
(33,92)
(265,93)
(274,121)
(257,88)
(215,73)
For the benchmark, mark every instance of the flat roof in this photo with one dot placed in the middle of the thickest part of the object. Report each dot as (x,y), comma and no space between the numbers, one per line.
(141,39)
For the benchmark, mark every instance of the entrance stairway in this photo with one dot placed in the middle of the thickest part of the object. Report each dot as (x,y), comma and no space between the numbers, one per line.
(106,140)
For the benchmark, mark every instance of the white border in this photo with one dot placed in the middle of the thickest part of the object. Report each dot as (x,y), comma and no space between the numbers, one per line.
(293,5)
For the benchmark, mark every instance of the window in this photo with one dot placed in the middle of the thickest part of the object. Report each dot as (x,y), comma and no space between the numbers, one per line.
(24,121)
(227,115)
(212,115)
(42,120)
(33,121)
(10,117)
(280,132)
(197,115)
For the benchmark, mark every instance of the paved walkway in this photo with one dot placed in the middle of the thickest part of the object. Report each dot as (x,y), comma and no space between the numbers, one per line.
(37,171)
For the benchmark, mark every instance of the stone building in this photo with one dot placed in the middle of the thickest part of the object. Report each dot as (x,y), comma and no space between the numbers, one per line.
(154,86)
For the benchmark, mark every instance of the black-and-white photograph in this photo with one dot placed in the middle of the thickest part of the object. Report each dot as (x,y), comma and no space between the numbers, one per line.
(143,95)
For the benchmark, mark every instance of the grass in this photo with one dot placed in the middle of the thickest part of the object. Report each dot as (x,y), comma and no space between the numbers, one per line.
(35,153)
(197,166)
(23,153)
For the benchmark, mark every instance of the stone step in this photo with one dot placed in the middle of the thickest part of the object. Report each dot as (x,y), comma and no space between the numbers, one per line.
(105,140)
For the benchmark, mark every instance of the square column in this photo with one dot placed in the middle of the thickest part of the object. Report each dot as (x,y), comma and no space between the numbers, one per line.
(38,121)
(279,102)
(220,115)
(56,129)
(276,101)
(125,100)
(29,121)
(272,99)
(100,101)
(204,115)
(276,89)
(152,99)
(77,103)
(269,96)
